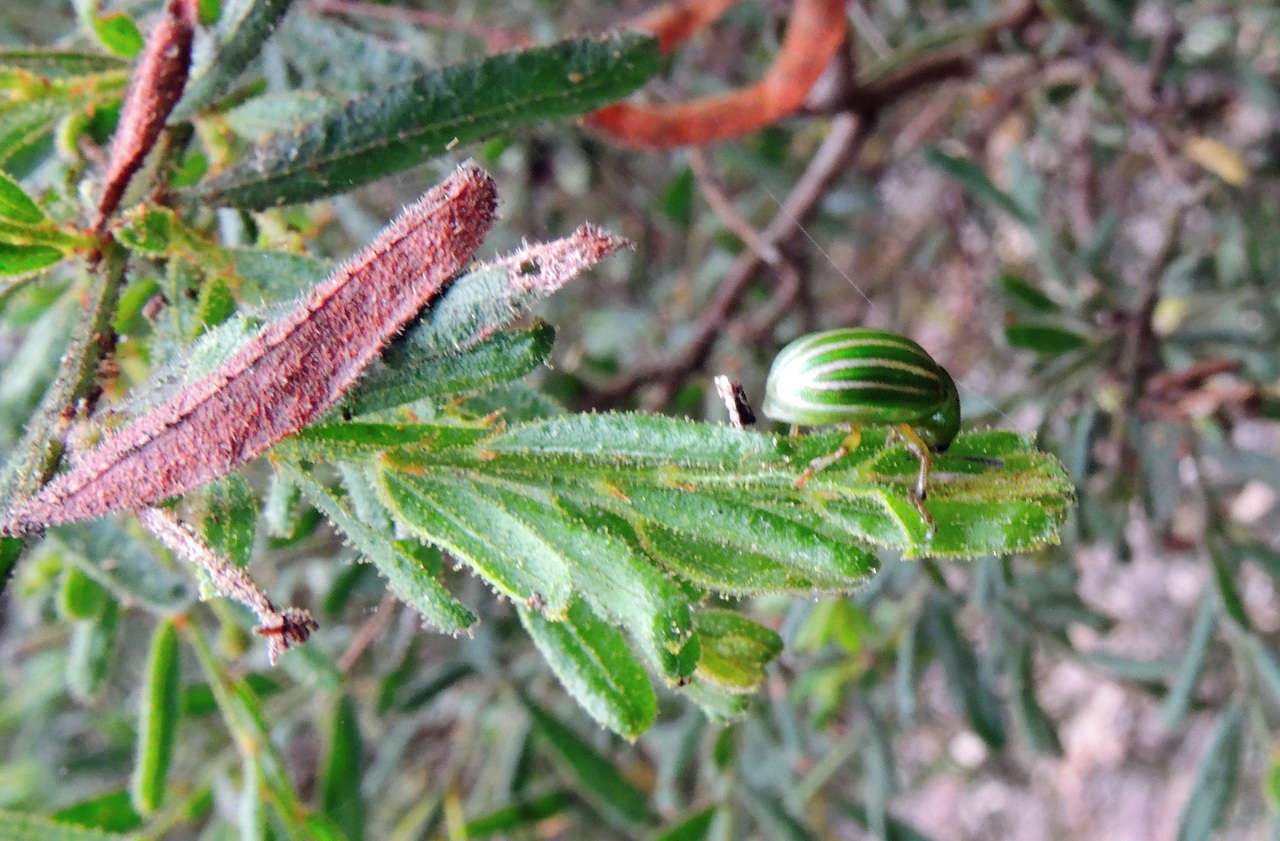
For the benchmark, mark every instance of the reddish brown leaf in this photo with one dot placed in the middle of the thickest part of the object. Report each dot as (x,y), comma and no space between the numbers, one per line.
(157,85)
(287,376)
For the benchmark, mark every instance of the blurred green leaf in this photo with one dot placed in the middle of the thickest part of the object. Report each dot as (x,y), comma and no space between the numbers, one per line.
(695,827)
(1179,698)
(198,698)
(1215,783)
(341,778)
(234,41)
(970,689)
(593,663)
(1024,295)
(80,597)
(735,650)
(895,830)
(1271,785)
(27,259)
(677,201)
(10,551)
(115,559)
(92,650)
(773,818)
(1036,725)
(112,812)
(594,775)
(58,64)
(265,773)
(251,817)
(1225,575)
(904,672)
(407,123)
(118,33)
(1044,339)
(157,721)
(1265,666)
(971,176)
(17,827)
(519,815)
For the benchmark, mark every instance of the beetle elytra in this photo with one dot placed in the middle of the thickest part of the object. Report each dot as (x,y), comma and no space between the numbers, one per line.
(854,377)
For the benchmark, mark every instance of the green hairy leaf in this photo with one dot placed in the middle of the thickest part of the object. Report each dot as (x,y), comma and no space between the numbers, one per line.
(34,109)
(399,562)
(59,63)
(715,481)
(413,373)
(406,123)
(628,516)
(26,259)
(16,205)
(593,663)
(230,519)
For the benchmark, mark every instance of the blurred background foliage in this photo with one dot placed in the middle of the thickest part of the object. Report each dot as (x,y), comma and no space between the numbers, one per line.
(1072,205)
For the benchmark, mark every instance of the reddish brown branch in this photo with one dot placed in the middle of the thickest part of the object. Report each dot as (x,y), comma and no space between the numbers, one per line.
(673,23)
(282,628)
(815,30)
(849,127)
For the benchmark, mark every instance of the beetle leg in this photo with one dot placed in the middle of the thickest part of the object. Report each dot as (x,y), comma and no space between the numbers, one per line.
(853,437)
(917,447)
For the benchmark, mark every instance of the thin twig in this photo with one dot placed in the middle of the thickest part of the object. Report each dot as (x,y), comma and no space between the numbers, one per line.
(829,162)
(282,628)
(709,186)
(919,66)
(860,105)
(41,448)
(1141,357)
(369,631)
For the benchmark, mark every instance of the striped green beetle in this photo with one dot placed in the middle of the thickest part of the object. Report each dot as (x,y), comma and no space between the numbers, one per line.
(856,376)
